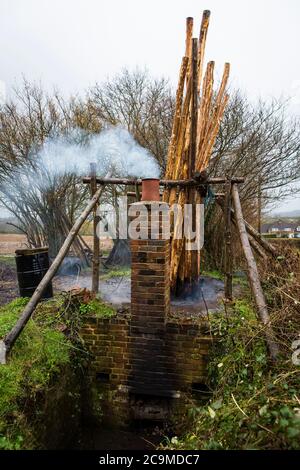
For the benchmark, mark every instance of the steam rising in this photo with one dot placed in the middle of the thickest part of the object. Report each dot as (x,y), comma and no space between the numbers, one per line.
(113,150)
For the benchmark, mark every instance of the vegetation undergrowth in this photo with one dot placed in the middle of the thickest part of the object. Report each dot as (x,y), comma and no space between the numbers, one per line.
(48,345)
(214,274)
(255,404)
(98,308)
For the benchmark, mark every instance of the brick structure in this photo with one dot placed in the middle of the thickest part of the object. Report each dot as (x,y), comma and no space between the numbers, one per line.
(146,353)
(150,304)
(111,368)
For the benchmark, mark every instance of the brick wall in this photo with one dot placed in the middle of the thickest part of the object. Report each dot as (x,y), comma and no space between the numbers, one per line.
(145,353)
(180,363)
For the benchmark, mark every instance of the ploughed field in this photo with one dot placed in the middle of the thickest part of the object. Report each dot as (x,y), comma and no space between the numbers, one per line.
(9,242)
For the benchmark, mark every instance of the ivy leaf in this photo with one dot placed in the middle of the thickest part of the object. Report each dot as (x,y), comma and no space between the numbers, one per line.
(283,423)
(293,432)
(216,405)
(262,411)
(212,413)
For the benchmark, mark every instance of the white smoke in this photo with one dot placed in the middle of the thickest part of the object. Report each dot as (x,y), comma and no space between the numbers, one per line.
(113,150)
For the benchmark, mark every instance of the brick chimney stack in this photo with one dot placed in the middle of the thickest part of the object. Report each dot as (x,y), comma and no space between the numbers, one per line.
(150,298)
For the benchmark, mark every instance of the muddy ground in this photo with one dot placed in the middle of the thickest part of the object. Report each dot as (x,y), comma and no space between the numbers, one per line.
(8,282)
(205,297)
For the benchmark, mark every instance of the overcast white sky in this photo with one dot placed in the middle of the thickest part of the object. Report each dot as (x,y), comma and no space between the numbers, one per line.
(71,44)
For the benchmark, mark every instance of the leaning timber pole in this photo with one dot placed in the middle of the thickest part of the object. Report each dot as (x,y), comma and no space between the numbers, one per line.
(11,337)
(255,236)
(253,275)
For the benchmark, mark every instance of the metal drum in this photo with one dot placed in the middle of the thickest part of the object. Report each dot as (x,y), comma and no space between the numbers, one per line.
(32,265)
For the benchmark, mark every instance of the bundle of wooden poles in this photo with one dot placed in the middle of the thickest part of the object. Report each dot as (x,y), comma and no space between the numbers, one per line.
(198,113)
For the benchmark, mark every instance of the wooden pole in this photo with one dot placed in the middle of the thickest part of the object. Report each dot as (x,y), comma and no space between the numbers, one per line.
(189,36)
(137,192)
(96,240)
(193,258)
(257,248)
(254,276)
(254,244)
(11,337)
(177,118)
(202,44)
(228,244)
(261,240)
(194,109)
(251,230)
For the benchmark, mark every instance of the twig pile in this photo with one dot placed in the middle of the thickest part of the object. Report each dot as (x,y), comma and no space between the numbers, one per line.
(196,122)
(281,278)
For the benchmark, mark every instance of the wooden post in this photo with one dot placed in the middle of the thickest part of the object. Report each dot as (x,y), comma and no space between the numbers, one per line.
(9,340)
(254,276)
(228,245)
(137,192)
(96,240)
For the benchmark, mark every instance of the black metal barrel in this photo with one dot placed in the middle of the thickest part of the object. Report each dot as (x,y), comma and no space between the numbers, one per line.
(32,265)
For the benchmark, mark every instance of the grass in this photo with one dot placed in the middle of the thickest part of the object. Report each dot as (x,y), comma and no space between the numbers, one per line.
(214,275)
(38,354)
(8,260)
(121,272)
(48,344)
(237,280)
(98,308)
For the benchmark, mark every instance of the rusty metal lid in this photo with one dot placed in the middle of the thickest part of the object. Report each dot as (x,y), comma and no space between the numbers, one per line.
(31,251)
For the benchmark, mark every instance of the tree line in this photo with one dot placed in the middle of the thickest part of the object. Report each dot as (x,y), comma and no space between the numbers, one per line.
(257,140)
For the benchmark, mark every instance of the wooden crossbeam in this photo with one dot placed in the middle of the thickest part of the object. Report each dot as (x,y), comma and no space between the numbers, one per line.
(164,182)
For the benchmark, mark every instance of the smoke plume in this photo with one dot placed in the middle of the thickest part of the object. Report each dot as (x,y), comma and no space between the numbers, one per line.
(113,150)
